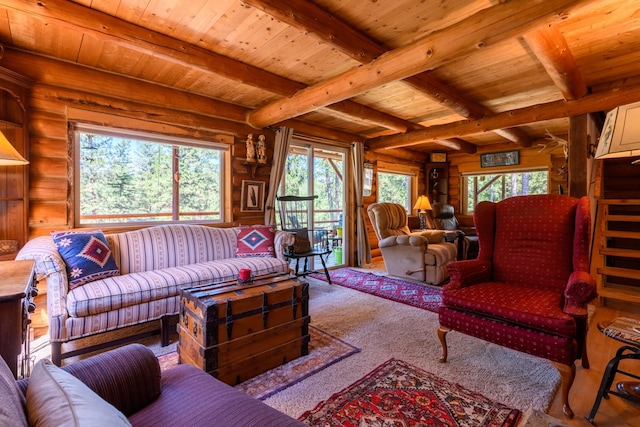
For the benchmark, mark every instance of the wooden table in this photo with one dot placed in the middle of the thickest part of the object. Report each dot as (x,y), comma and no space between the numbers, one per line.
(17,289)
(237,331)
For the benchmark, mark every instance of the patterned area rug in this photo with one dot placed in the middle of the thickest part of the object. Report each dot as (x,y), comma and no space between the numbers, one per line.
(422,296)
(398,394)
(324,351)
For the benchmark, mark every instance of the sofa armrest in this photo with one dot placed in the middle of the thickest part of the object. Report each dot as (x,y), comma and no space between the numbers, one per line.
(580,289)
(470,272)
(127,377)
(50,267)
(46,256)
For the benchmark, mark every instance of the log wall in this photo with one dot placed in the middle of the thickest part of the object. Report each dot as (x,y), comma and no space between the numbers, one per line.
(53,110)
(65,93)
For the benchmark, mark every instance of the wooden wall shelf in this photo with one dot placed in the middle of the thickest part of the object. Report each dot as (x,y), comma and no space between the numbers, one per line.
(437,176)
(252,167)
(14,180)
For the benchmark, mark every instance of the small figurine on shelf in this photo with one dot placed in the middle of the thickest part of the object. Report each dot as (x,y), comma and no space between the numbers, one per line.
(251,151)
(262,150)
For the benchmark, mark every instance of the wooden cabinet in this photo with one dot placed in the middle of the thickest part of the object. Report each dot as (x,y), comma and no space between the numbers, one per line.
(437,182)
(17,289)
(14,180)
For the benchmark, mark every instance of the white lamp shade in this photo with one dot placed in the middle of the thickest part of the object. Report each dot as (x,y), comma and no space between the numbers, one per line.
(621,133)
(8,155)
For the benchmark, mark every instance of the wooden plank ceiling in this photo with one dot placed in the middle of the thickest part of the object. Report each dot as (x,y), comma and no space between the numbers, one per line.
(425,75)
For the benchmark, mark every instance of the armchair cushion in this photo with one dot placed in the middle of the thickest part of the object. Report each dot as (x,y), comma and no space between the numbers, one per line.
(534,308)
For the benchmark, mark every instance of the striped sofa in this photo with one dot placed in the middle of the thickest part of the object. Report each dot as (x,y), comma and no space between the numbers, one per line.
(154,264)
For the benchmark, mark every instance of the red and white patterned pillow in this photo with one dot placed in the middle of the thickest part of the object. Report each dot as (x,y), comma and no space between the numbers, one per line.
(256,241)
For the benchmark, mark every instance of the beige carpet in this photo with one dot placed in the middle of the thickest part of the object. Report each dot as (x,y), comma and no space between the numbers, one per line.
(384,329)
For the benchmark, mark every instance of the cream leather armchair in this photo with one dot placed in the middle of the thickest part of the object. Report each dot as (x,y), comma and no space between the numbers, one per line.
(422,255)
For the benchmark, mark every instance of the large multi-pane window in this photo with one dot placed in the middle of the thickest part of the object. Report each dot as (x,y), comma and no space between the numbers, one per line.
(394,187)
(141,178)
(498,186)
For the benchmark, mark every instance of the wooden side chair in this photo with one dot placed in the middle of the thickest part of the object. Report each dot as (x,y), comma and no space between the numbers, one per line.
(310,243)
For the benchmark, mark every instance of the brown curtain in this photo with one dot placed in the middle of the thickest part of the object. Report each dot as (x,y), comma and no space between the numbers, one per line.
(280,151)
(362,238)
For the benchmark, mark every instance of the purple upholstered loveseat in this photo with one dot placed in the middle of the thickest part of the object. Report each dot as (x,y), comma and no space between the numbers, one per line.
(129,379)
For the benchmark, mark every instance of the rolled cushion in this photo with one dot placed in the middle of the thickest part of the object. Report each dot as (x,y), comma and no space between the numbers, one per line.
(87,256)
(256,241)
(57,398)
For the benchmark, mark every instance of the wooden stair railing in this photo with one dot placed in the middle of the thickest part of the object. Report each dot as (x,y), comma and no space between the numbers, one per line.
(616,251)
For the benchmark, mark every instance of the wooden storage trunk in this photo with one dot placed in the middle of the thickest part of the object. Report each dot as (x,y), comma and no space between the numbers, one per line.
(235,332)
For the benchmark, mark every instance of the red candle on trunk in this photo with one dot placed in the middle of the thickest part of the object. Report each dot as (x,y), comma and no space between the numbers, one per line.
(245,274)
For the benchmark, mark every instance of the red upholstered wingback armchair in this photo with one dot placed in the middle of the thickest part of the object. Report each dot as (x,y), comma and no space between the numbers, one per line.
(529,288)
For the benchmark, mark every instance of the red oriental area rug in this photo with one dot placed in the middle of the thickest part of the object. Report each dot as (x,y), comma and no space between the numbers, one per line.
(398,394)
(421,296)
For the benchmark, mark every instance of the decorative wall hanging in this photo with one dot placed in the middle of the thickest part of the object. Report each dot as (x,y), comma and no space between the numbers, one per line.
(506,158)
(252,196)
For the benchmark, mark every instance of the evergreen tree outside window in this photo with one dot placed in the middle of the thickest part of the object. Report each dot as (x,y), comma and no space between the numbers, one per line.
(136,178)
(498,186)
(395,188)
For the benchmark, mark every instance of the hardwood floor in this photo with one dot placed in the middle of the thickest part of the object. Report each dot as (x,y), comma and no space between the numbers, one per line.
(614,412)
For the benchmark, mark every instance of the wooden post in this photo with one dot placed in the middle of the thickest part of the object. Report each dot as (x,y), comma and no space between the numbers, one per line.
(578,151)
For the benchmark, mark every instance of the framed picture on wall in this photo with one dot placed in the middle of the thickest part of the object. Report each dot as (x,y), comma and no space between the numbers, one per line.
(506,158)
(252,196)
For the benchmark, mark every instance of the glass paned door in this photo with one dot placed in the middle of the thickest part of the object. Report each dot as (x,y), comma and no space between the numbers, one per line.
(315,169)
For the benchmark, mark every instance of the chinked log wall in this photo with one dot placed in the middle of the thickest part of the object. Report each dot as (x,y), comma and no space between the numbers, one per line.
(66,92)
(51,168)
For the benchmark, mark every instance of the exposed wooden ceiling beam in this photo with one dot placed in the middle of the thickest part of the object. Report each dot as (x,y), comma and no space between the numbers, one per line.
(109,28)
(328,28)
(591,103)
(485,28)
(552,50)
(63,75)
(311,19)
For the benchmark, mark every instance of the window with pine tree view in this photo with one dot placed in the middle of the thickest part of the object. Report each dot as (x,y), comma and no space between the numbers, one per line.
(395,188)
(499,186)
(139,178)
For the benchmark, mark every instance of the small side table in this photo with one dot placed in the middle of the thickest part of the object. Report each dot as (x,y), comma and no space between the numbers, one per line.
(17,289)
(620,329)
